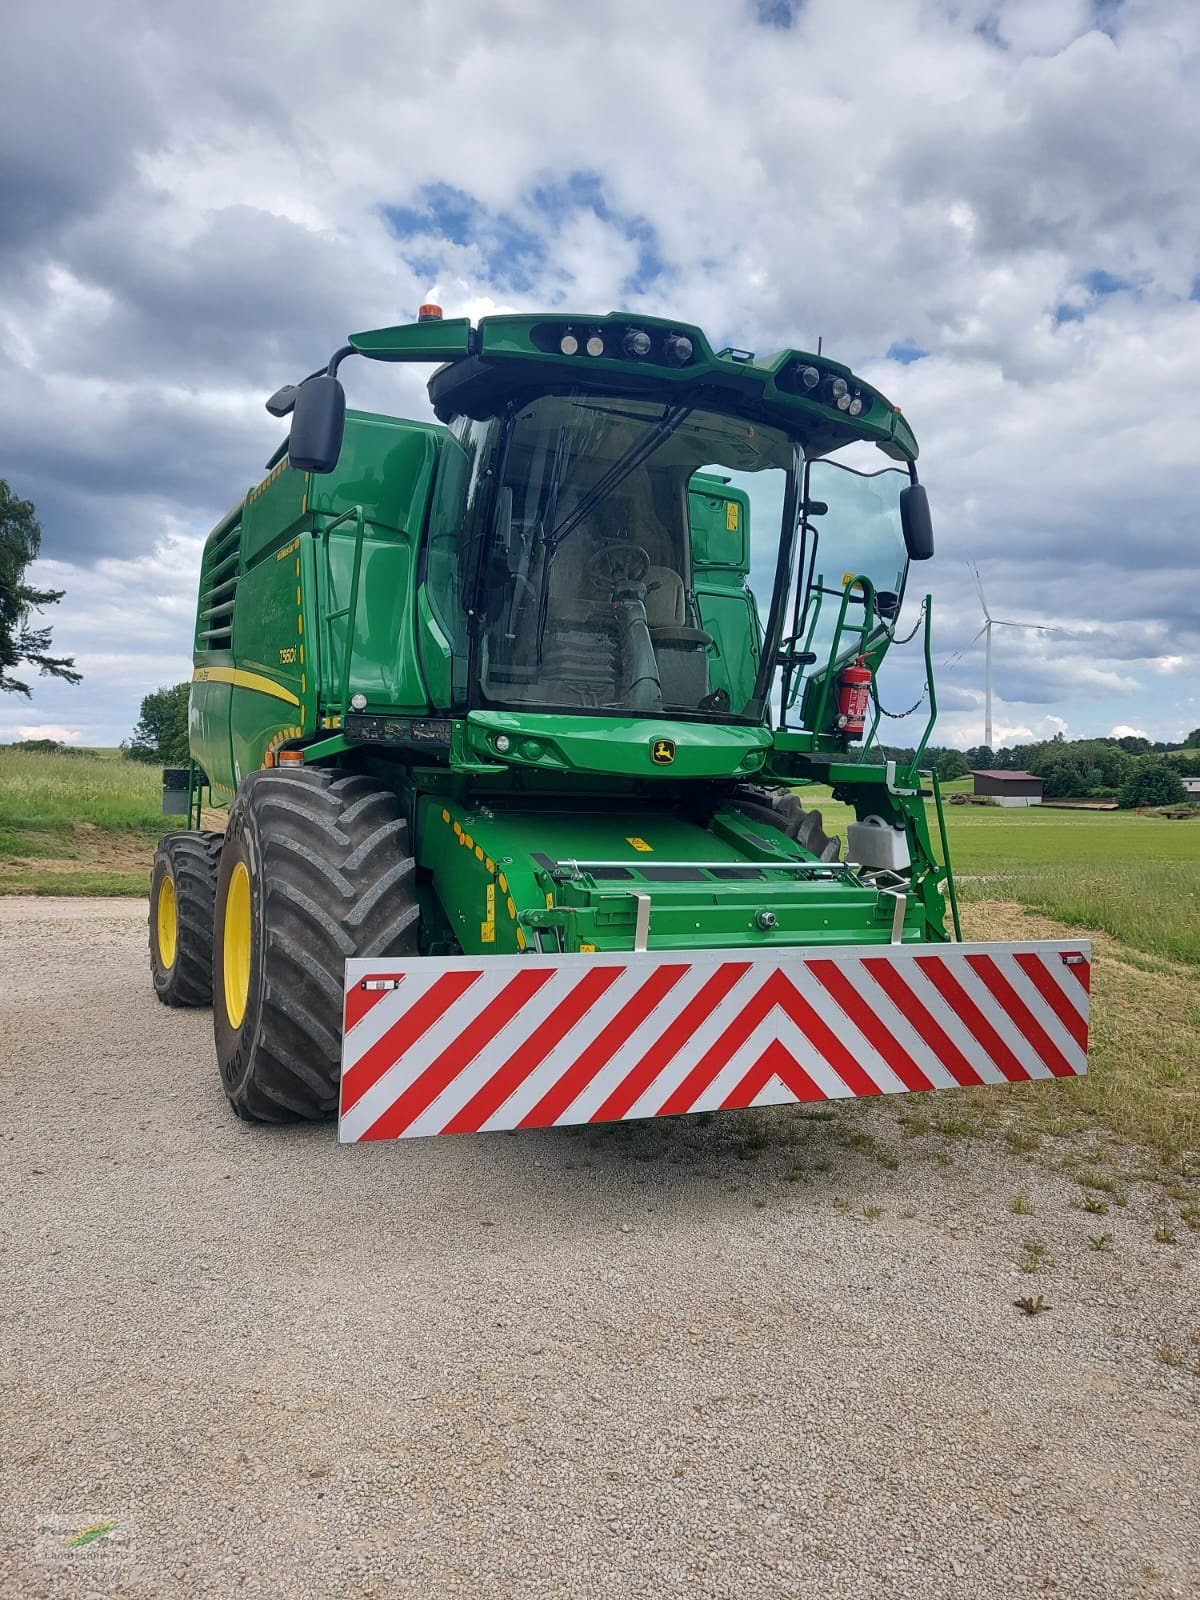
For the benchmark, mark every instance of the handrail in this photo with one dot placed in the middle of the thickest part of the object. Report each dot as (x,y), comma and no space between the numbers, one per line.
(350,609)
(946,867)
(929,683)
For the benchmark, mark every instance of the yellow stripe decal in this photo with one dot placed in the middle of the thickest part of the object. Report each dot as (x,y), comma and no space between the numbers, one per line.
(245,680)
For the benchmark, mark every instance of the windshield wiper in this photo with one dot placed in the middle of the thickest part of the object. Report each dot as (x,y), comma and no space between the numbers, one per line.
(640,451)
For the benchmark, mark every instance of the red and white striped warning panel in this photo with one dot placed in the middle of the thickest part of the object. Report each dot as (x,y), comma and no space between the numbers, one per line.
(468,1045)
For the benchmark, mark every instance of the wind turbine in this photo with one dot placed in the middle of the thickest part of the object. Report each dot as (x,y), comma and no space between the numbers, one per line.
(985,633)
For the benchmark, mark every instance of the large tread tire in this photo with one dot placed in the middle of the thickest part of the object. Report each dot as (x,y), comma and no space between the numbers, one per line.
(184,871)
(784,810)
(331,876)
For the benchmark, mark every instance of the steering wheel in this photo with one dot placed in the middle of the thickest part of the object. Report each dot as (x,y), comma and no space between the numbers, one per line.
(616,563)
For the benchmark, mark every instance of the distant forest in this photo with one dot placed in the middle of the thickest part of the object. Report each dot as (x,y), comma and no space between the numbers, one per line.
(1109,768)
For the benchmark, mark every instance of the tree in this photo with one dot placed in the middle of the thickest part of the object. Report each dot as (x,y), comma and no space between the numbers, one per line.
(161,736)
(1153,784)
(950,764)
(20,541)
(1062,777)
(1192,742)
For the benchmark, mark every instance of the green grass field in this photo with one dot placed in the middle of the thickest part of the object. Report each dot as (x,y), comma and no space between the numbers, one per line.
(83,823)
(1136,878)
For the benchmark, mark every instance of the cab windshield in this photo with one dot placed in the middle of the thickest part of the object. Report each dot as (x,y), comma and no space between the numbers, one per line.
(615,574)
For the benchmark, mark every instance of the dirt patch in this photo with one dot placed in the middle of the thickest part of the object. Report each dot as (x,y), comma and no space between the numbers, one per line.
(88,849)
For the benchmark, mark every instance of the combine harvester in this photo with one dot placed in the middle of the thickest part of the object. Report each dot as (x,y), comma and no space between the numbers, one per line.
(514,724)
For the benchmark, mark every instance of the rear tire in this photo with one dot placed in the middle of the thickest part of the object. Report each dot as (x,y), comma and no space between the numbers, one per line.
(316,868)
(784,811)
(183,886)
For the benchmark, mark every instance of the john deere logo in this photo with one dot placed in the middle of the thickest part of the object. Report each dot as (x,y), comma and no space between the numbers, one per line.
(662,752)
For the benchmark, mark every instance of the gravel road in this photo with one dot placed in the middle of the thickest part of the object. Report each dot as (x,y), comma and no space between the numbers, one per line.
(759,1355)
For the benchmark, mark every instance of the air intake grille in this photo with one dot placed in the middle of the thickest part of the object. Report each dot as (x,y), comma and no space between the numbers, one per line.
(218,584)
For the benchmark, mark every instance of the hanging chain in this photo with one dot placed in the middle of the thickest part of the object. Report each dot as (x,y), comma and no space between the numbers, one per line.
(897,716)
(908,638)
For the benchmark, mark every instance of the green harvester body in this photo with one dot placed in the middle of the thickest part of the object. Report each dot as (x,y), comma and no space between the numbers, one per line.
(538,824)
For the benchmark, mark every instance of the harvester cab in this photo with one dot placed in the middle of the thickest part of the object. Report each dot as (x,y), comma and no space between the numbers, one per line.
(515,714)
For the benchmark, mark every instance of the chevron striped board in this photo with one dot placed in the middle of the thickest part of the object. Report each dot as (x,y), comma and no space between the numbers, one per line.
(473,1045)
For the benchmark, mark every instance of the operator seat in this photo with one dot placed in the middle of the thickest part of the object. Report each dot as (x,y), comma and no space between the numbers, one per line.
(679,648)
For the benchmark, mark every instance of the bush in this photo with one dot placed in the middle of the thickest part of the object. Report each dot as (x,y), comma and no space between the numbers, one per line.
(1153,784)
(43,747)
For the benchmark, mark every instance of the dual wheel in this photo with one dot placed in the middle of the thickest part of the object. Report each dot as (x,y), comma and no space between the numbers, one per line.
(313,868)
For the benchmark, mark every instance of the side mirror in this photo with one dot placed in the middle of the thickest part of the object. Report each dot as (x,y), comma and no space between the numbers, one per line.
(916,522)
(318,423)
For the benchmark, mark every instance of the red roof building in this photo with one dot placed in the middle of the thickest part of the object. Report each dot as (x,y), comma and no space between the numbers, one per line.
(1008,788)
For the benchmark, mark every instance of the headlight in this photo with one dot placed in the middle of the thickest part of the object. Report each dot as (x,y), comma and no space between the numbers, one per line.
(810,377)
(837,388)
(595,345)
(678,349)
(855,407)
(568,344)
(636,342)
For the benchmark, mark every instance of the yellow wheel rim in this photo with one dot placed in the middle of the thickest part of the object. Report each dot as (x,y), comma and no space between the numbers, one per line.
(235,942)
(166,916)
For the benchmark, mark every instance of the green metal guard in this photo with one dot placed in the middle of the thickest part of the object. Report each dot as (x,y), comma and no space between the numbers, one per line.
(197,784)
(350,609)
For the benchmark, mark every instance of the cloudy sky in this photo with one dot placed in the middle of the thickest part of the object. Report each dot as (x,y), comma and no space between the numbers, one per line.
(988,207)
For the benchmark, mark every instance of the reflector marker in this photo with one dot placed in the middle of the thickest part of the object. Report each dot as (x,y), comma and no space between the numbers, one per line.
(829,974)
(617,1104)
(562,1094)
(465,1046)
(1052,992)
(929,1031)
(574,1004)
(381,1056)
(361,997)
(458,1054)
(989,972)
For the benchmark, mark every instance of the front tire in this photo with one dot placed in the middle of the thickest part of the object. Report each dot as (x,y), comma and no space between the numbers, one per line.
(316,869)
(183,886)
(786,812)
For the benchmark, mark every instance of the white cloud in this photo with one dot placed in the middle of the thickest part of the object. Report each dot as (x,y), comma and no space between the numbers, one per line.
(1121,731)
(40,730)
(1000,183)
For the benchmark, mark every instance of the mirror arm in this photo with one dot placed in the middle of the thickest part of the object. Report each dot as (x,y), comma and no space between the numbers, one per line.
(338,356)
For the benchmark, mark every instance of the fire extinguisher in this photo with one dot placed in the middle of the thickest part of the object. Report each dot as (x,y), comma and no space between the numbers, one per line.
(853,693)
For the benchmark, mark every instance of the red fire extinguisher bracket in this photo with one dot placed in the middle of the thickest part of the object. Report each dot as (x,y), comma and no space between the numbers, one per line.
(853,698)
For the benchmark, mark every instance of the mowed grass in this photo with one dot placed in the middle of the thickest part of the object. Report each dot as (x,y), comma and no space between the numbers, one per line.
(1136,878)
(83,823)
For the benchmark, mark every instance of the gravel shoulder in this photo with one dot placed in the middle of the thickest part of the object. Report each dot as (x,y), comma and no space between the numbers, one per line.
(763,1354)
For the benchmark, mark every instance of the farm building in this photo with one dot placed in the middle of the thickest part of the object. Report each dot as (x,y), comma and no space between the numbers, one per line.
(1192,785)
(1009,788)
